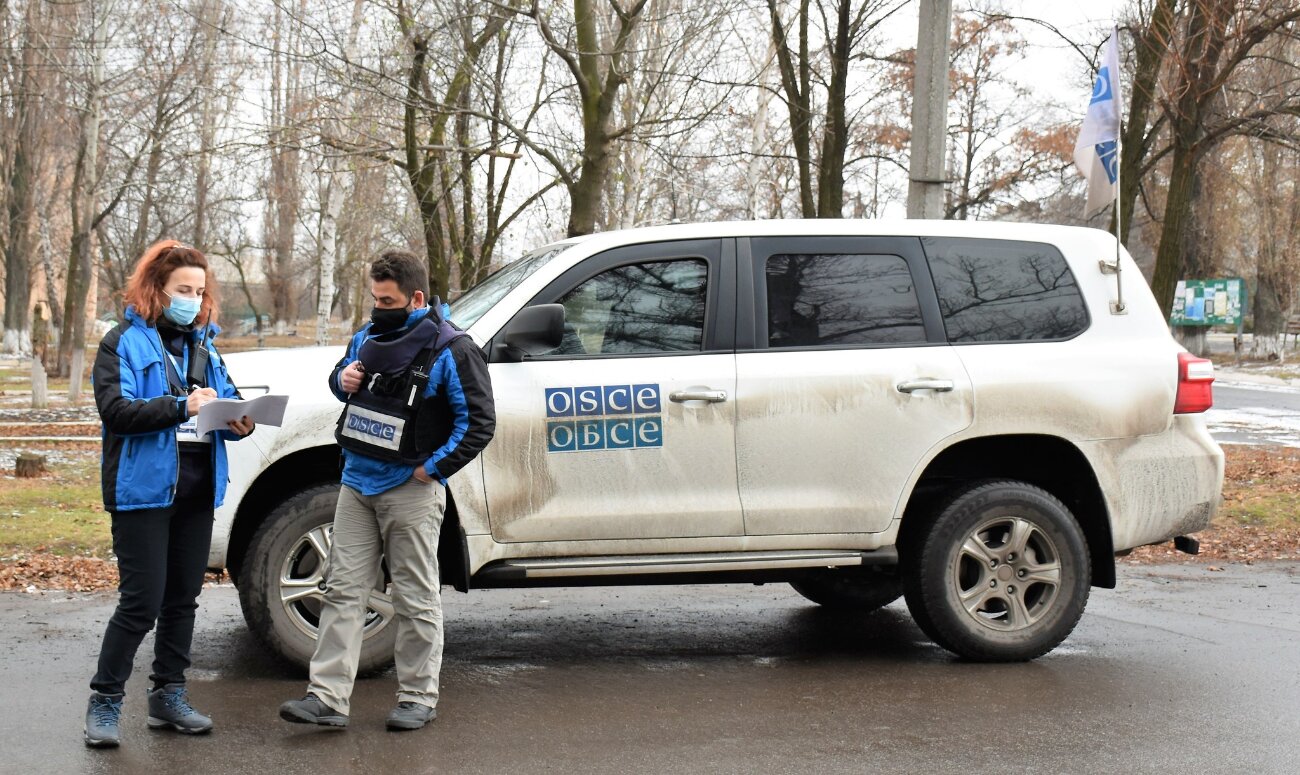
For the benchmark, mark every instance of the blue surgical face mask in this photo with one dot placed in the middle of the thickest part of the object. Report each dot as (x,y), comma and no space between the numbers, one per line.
(182,310)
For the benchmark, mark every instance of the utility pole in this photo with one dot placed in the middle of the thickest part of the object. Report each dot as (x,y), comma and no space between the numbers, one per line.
(929,110)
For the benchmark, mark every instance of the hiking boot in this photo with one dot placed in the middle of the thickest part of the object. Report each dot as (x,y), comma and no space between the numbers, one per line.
(312,710)
(169,708)
(102,714)
(410,715)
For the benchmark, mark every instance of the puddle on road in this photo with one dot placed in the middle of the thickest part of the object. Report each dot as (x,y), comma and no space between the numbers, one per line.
(490,674)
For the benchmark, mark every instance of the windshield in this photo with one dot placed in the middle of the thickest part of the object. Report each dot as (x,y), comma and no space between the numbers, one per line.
(466,310)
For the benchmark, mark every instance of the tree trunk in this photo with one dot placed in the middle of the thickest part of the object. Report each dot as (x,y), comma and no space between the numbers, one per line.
(22,197)
(796,83)
(1152,45)
(1270,318)
(585,193)
(209,15)
(1206,31)
(72,343)
(830,175)
(17,288)
(79,268)
(40,385)
(141,238)
(283,193)
(1178,207)
(335,179)
(1269,347)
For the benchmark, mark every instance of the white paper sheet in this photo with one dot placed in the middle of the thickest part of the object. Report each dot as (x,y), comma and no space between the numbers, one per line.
(263,410)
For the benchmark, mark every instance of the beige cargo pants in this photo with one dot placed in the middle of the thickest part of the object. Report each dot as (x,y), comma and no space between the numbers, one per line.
(402,524)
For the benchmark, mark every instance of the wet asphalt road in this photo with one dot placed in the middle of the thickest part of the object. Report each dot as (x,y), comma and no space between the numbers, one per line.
(1255,414)
(1180,669)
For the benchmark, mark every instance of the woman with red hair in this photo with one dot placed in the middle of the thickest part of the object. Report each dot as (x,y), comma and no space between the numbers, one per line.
(161,480)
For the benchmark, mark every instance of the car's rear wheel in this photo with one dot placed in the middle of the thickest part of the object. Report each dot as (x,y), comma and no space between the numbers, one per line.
(851,589)
(1001,575)
(283,584)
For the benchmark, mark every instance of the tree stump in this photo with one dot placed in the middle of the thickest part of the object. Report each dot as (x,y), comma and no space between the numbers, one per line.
(29,466)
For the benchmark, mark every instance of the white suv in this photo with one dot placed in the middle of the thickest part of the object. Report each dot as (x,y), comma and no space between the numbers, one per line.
(947,411)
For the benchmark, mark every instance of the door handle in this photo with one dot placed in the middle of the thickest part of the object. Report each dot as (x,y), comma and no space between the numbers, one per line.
(712,396)
(937,385)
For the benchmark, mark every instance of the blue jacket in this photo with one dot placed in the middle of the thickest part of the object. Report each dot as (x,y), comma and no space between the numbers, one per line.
(140,413)
(459,382)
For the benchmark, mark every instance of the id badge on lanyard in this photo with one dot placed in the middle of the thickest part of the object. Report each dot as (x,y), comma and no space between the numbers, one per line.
(187,432)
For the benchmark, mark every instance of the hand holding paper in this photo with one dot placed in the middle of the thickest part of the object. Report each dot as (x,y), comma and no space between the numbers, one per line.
(264,410)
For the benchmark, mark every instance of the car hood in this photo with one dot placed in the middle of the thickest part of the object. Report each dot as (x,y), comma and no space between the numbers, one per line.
(302,372)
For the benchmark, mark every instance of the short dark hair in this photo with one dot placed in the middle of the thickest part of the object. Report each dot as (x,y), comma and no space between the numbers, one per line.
(403,268)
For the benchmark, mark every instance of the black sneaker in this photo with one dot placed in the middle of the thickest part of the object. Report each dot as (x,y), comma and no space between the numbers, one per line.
(311,710)
(102,714)
(410,715)
(169,708)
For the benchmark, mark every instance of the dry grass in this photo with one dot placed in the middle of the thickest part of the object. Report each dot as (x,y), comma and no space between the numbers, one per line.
(54,533)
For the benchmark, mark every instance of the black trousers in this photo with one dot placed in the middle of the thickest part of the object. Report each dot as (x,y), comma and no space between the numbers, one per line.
(161,557)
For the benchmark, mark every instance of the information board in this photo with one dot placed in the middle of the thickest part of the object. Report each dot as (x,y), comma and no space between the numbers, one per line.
(1208,302)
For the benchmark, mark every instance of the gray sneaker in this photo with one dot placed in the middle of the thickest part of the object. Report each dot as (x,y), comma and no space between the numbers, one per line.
(410,715)
(102,714)
(312,710)
(169,708)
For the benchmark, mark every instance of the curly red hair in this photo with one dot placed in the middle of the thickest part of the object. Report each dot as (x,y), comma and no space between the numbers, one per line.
(144,290)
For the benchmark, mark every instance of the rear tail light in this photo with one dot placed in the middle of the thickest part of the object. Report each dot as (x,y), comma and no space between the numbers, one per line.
(1195,378)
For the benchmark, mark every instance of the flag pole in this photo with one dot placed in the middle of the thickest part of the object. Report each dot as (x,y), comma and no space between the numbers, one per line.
(1119,158)
(1119,287)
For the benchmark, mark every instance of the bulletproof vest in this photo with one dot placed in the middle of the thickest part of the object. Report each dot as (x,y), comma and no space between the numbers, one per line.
(389,418)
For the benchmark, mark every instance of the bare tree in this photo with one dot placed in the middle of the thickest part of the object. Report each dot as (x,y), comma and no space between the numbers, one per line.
(800,67)
(333,196)
(284,186)
(22,158)
(1203,108)
(596,67)
(91,84)
(1001,145)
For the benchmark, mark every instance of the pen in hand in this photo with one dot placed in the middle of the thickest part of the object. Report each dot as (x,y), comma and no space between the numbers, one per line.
(198,398)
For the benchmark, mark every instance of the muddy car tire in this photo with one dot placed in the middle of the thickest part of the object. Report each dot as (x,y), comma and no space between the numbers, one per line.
(1002,574)
(282,585)
(860,590)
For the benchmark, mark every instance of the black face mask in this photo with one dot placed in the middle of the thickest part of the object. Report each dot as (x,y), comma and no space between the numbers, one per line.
(383,321)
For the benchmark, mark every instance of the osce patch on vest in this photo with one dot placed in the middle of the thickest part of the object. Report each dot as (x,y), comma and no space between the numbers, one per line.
(373,428)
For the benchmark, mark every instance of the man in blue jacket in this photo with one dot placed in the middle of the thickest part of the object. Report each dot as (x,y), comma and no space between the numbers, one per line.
(418,407)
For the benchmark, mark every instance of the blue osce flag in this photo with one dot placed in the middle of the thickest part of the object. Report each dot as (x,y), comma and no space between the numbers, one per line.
(1096,152)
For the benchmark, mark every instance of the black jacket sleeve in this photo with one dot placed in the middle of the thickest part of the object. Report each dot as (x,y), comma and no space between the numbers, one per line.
(471,381)
(120,407)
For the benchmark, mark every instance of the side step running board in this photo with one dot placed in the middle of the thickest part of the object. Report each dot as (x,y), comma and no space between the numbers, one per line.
(719,562)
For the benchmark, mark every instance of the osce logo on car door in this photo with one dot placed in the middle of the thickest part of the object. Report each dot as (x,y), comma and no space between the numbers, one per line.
(602,417)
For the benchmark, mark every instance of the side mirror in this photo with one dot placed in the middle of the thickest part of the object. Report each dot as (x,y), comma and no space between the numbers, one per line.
(534,330)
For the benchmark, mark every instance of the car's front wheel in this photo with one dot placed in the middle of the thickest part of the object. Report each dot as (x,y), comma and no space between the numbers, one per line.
(1001,575)
(283,583)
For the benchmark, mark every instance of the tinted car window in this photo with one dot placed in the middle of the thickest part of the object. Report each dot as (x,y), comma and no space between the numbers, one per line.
(841,299)
(1003,291)
(639,308)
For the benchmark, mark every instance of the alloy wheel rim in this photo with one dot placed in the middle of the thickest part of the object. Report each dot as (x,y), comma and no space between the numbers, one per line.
(302,585)
(1006,574)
